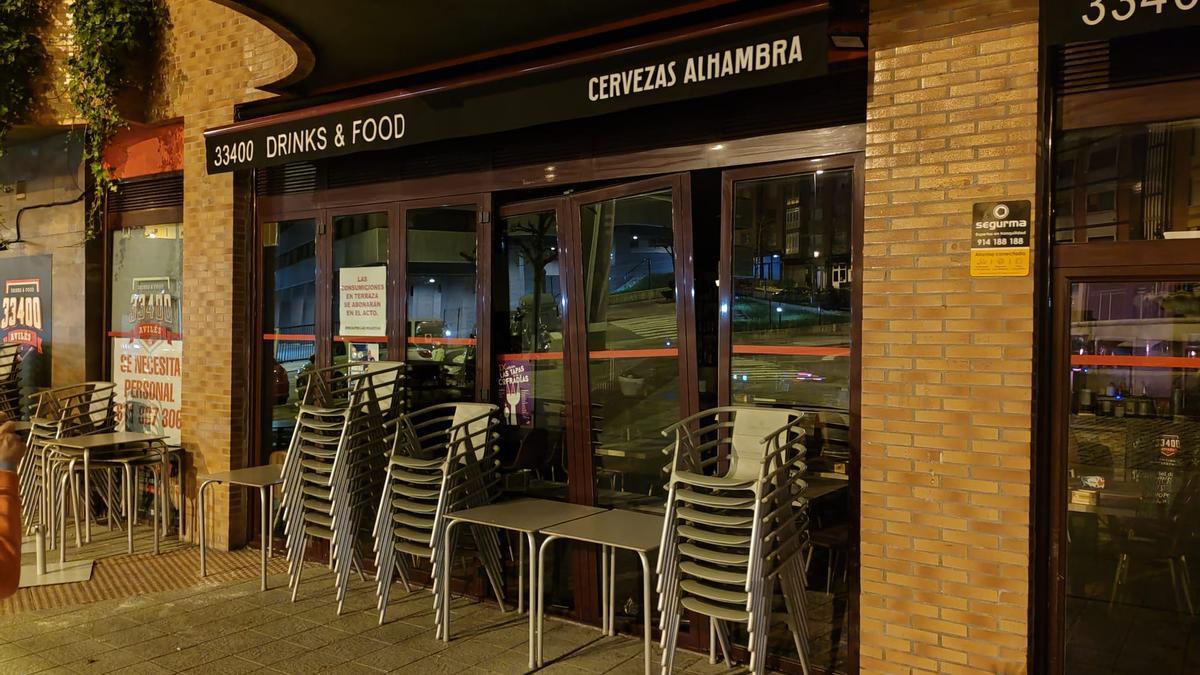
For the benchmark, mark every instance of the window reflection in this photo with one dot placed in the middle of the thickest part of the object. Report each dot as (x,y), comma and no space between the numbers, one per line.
(1126,183)
(360,248)
(441,249)
(1133,492)
(530,376)
(289,305)
(629,285)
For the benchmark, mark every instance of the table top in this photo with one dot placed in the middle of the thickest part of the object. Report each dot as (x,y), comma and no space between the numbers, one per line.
(107,440)
(254,476)
(819,486)
(630,530)
(524,515)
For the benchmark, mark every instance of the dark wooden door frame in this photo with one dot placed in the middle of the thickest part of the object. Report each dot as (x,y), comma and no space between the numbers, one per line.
(1081,263)
(855,163)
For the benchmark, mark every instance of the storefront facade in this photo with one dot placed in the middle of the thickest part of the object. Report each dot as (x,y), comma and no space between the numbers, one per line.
(961,246)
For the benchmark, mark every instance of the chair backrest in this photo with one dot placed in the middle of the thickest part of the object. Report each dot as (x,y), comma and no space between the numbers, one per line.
(476,418)
(752,428)
(79,408)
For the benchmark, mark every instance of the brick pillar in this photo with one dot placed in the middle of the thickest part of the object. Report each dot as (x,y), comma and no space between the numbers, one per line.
(946,385)
(202,79)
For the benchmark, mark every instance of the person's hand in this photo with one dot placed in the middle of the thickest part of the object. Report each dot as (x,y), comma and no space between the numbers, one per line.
(12,446)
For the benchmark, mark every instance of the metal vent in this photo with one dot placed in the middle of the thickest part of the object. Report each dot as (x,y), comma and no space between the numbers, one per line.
(288,178)
(1150,58)
(150,193)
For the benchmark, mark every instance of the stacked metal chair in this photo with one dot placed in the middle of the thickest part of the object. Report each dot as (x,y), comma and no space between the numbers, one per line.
(63,412)
(735,527)
(334,466)
(444,458)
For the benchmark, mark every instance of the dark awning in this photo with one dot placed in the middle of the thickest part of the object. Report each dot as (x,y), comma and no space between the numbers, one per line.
(352,42)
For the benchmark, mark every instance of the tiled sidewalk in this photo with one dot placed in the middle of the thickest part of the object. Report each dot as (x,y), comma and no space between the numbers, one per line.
(233,628)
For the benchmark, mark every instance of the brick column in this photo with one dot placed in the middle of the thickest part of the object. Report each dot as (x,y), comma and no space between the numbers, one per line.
(946,413)
(214,58)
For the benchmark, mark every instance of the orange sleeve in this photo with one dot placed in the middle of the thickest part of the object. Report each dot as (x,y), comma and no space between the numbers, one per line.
(10,533)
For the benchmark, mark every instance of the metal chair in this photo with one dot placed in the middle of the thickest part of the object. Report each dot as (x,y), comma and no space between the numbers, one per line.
(445,458)
(10,380)
(59,413)
(735,527)
(334,465)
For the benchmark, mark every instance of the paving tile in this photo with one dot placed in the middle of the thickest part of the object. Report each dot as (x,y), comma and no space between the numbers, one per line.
(141,668)
(390,657)
(285,627)
(128,636)
(272,652)
(310,662)
(230,665)
(49,640)
(318,637)
(186,658)
(12,651)
(81,650)
(155,647)
(106,662)
(393,632)
(25,665)
(439,665)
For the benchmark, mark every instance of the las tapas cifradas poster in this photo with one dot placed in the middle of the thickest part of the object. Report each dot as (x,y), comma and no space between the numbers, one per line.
(25,315)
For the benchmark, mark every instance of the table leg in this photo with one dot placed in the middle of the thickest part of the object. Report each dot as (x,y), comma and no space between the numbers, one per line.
(604,590)
(87,498)
(520,578)
(200,515)
(612,590)
(541,599)
(109,492)
(130,504)
(154,475)
(535,604)
(62,518)
(265,501)
(647,610)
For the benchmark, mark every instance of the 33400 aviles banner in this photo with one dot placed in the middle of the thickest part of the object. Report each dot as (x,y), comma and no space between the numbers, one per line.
(754,56)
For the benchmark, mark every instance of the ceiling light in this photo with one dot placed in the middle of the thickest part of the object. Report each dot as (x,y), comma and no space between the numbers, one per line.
(848,41)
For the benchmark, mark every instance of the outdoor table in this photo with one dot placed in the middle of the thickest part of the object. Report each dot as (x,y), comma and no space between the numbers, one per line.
(528,516)
(819,486)
(611,530)
(106,443)
(261,477)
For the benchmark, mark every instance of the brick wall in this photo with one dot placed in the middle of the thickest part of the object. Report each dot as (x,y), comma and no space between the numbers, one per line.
(214,58)
(946,413)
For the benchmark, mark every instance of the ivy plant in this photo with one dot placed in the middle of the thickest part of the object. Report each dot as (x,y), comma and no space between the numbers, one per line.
(22,59)
(115,40)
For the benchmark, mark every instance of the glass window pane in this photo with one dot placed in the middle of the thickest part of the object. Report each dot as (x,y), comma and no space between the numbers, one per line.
(530,375)
(629,285)
(1127,183)
(441,303)
(146,323)
(289,311)
(792,290)
(1133,492)
(360,255)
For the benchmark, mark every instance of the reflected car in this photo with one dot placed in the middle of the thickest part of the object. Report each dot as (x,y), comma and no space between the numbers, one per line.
(280,386)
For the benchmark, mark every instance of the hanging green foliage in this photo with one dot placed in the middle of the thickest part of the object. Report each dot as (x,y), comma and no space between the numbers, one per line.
(22,58)
(115,41)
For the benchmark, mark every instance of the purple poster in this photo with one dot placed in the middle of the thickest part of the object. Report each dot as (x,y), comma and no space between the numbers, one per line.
(517,389)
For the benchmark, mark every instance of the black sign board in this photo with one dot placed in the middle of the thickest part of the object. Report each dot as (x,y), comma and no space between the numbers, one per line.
(25,315)
(1001,225)
(1086,20)
(781,51)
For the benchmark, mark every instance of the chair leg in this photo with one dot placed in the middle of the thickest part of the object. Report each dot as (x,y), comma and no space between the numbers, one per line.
(1121,562)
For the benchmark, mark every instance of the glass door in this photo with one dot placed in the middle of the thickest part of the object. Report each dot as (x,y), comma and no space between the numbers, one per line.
(361,283)
(445,317)
(1129,488)
(289,319)
(787,327)
(634,331)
